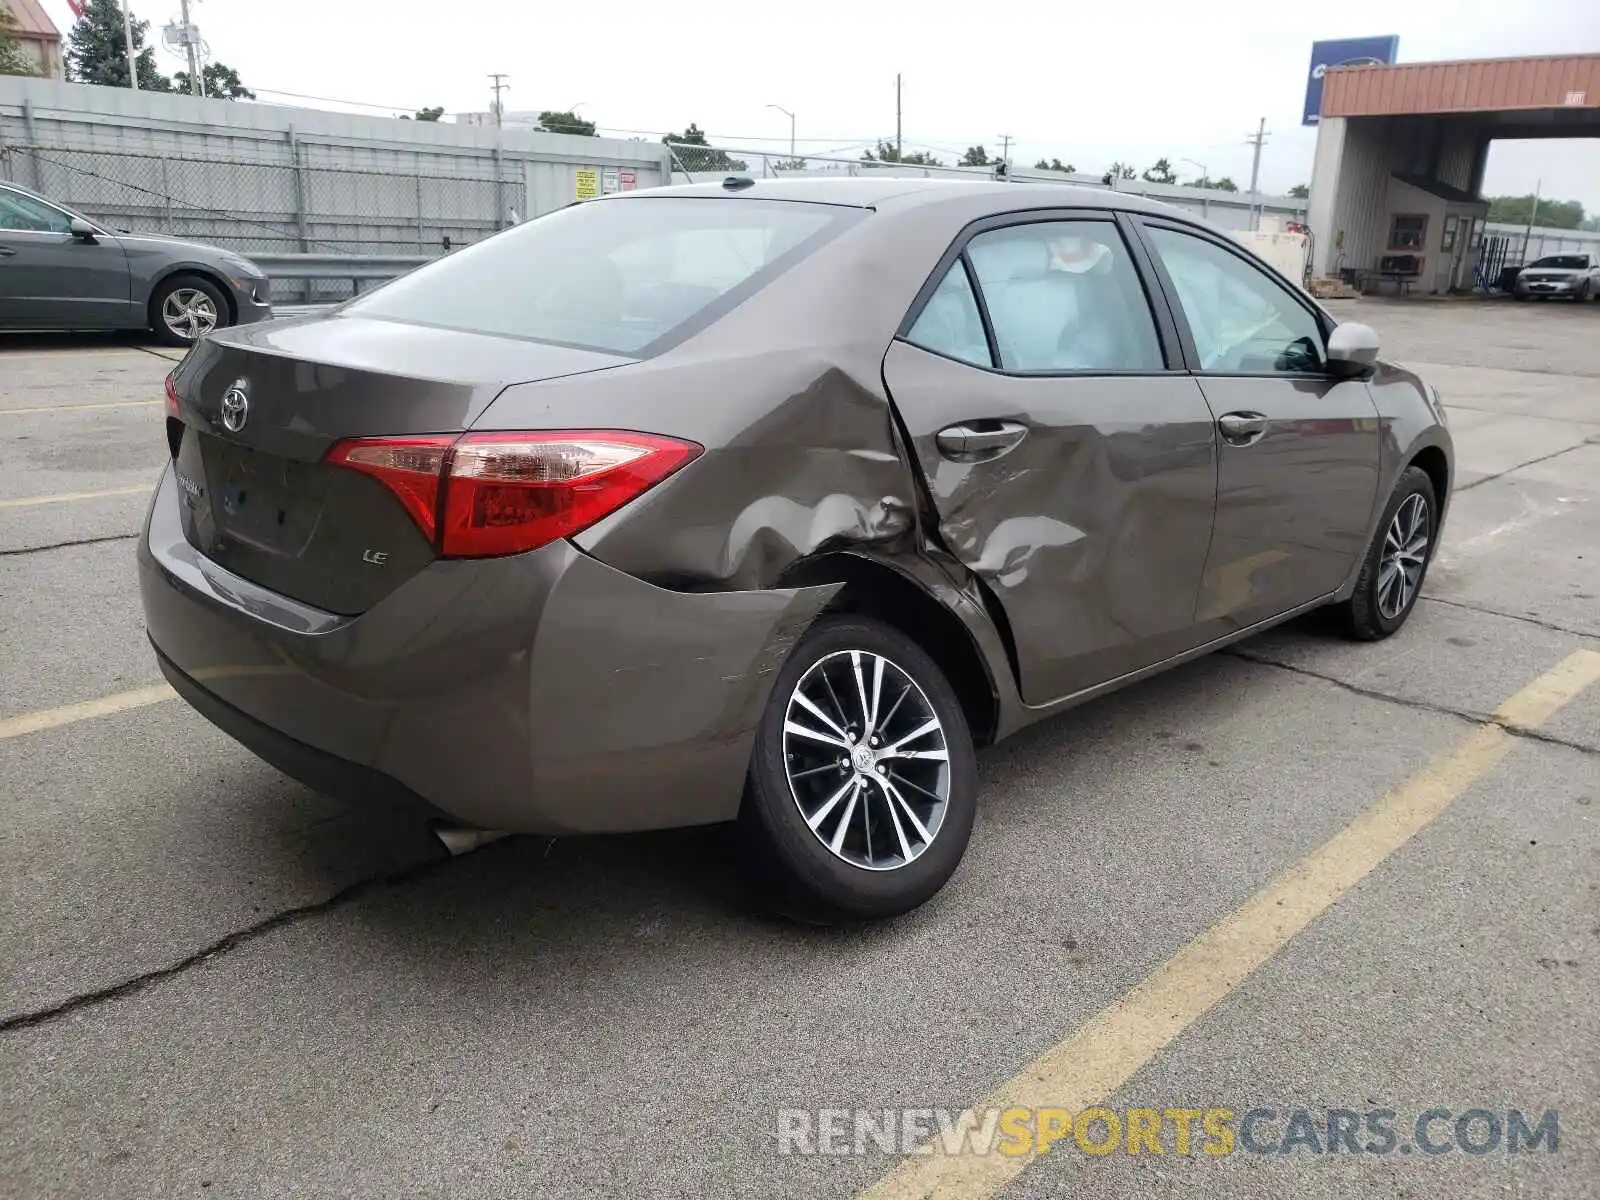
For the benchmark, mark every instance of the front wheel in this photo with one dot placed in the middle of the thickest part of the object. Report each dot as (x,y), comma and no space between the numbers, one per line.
(185,308)
(863,783)
(1391,576)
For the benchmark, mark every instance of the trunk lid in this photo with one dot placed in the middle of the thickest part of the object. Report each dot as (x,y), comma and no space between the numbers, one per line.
(261,405)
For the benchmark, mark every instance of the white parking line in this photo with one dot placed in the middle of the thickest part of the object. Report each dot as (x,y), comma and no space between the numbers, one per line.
(50,408)
(69,497)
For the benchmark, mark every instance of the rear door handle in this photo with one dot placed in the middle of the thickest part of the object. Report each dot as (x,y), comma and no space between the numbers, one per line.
(976,441)
(6,251)
(1242,428)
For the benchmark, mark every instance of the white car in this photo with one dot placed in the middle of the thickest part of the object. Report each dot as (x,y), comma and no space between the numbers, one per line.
(1574,276)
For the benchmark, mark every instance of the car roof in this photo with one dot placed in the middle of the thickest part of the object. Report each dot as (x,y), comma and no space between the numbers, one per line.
(887,191)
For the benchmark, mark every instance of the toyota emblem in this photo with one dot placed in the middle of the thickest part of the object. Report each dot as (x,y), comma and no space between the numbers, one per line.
(235,409)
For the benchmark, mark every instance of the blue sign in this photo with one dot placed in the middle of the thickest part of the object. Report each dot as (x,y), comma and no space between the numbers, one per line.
(1350,52)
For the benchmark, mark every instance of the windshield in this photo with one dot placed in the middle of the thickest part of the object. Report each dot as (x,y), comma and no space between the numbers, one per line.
(1570,262)
(613,275)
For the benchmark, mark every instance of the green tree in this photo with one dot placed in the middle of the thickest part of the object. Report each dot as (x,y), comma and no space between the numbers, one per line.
(1160,172)
(889,154)
(1055,164)
(976,156)
(1551,214)
(425,114)
(96,52)
(216,81)
(566,122)
(12,59)
(1217,185)
(686,147)
(1122,170)
(1300,191)
(1592,224)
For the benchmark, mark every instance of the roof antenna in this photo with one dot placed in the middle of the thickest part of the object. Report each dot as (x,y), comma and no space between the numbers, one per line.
(736,183)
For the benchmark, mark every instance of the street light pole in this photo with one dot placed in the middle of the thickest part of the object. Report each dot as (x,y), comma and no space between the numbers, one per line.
(1205,176)
(790,115)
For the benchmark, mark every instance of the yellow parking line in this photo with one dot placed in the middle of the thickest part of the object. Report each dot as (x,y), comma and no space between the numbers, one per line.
(86,710)
(52,718)
(69,497)
(1103,1054)
(51,408)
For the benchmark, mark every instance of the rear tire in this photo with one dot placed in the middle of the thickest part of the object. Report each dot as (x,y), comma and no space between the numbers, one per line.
(1396,563)
(186,307)
(825,842)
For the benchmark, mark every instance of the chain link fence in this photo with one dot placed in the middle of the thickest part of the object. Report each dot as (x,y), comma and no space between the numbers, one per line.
(702,163)
(312,203)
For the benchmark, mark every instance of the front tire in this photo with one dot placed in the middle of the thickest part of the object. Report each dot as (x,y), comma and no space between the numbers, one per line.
(863,783)
(1396,562)
(185,308)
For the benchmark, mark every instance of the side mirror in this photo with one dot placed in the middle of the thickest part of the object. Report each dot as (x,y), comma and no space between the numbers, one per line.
(1353,349)
(82,230)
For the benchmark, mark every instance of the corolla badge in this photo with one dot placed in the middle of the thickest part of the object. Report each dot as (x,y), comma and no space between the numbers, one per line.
(235,409)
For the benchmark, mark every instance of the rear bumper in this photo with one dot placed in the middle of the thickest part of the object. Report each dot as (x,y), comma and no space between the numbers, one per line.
(317,769)
(541,693)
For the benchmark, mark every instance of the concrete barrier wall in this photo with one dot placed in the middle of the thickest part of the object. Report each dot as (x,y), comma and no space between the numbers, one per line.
(285,180)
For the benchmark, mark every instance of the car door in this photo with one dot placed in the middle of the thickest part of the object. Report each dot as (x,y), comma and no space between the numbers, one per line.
(50,277)
(1298,447)
(1070,457)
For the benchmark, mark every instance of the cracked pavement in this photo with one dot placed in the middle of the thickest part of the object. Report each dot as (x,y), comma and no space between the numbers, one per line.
(213,982)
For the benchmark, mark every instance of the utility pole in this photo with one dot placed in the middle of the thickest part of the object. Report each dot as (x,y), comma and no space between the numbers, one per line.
(498,88)
(127,37)
(1533,215)
(1257,140)
(193,55)
(899,156)
(1005,148)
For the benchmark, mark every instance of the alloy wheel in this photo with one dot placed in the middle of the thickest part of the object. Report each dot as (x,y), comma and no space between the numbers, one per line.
(867,760)
(1405,553)
(189,312)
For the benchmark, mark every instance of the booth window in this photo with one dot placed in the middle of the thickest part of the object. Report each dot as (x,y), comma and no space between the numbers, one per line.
(1451,224)
(1409,231)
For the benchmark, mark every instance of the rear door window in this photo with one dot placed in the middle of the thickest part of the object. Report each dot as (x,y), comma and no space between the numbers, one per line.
(1065,296)
(624,276)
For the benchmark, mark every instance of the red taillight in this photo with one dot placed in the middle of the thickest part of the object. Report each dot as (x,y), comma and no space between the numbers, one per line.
(172,398)
(485,494)
(411,468)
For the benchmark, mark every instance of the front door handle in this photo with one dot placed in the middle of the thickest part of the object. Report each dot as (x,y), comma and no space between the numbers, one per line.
(6,251)
(1242,428)
(977,441)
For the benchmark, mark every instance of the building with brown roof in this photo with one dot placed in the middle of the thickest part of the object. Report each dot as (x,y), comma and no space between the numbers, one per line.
(38,36)
(1397,181)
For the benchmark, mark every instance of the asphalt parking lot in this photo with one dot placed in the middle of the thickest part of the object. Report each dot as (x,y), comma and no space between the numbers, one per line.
(1302,874)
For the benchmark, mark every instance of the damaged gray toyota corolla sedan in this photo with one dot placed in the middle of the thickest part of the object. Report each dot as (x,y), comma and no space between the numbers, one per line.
(767,502)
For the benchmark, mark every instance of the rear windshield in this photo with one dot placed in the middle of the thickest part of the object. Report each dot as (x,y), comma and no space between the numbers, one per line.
(613,275)
(1570,262)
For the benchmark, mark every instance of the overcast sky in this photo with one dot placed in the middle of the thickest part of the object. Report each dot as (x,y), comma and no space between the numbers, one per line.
(1087,82)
